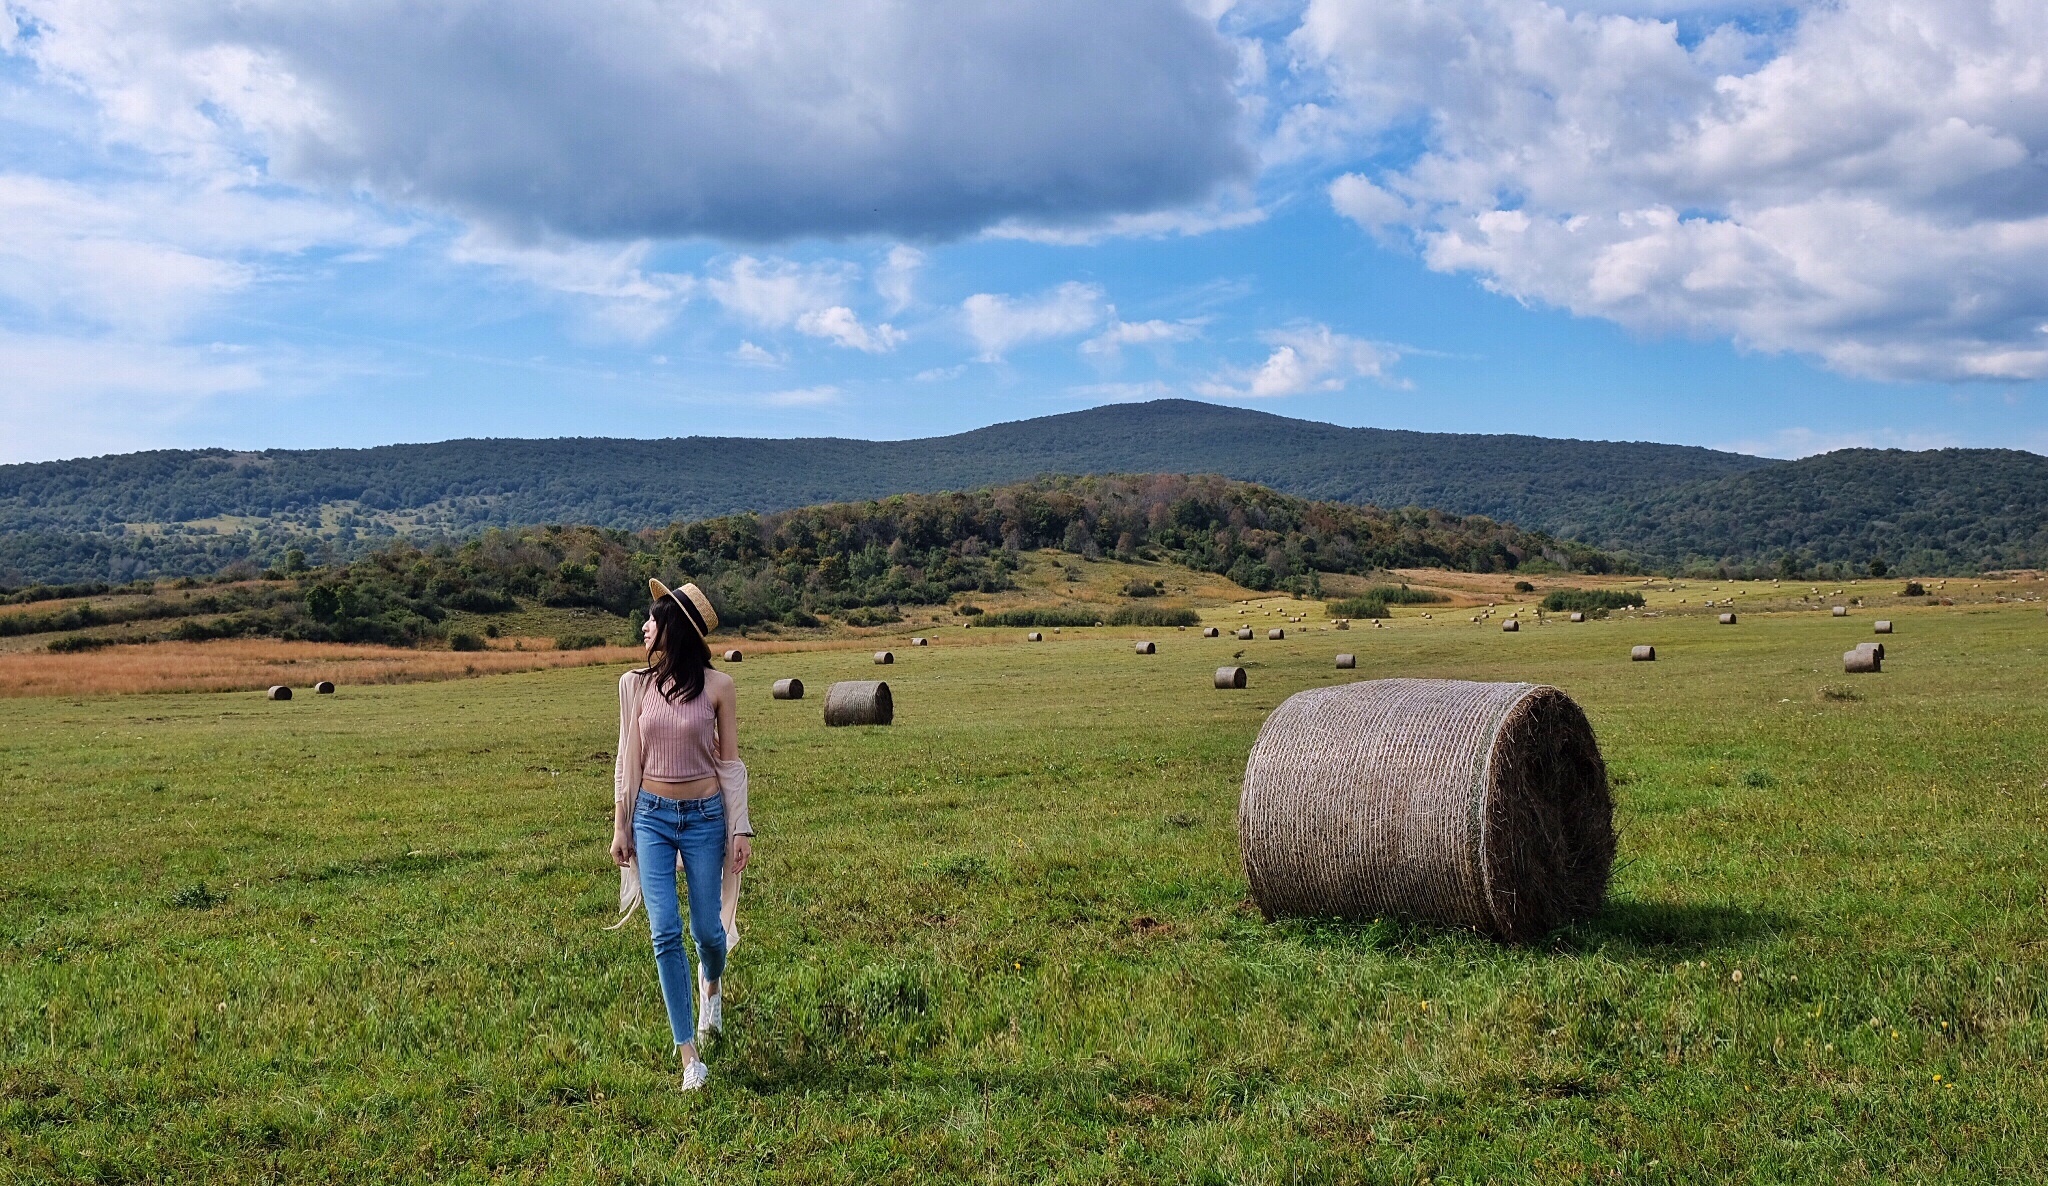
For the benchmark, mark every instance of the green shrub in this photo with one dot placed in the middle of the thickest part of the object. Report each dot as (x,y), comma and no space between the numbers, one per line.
(72,644)
(1524,587)
(1153,615)
(871,615)
(1039,617)
(470,642)
(1913,589)
(1358,607)
(1590,600)
(968,610)
(579,642)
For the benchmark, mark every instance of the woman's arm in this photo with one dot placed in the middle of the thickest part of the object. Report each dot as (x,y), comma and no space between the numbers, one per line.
(729,751)
(625,768)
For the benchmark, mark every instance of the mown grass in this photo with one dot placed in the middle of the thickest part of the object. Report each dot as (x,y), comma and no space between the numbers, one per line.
(357,938)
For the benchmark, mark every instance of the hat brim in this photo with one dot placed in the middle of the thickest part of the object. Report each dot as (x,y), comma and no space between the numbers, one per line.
(690,599)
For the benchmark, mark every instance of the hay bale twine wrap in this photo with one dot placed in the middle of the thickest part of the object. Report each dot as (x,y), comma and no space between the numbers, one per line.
(885,657)
(1578,616)
(1474,804)
(1145,648)
(1642,654)
(1034,636)
(734,656)
(1347,662)
(1275,634)
(859,702)
(1211,632)
(1245,635)
(324,688)
(1862,661)
(1727,619)
(1841,611)
(920,642)
(1230,677)
(1511,626)
(1881,626)
(278,692)
(789,689)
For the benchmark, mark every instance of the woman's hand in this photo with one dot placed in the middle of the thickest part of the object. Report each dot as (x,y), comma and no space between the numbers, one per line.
(742,852)
(622,847)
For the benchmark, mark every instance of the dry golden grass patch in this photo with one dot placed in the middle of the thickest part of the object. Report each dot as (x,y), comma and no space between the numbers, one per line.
(247,664)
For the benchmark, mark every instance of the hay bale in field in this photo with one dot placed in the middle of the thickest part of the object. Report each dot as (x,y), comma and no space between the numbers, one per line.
(1276,634)
(1230,677)
(1872,646)
(1473,804)
(1145,648)
(1862,661)
(1727,619)
(885,657)
(789,689)
(1343,623)
(278,692)
(1578,616)
(1211,632)
(1510,626)
(1881,626)
(1347,662)
(733,657)
(1841,611)
(1034,636)
(1245,635)
(324,688)
(920,642)
(859,702)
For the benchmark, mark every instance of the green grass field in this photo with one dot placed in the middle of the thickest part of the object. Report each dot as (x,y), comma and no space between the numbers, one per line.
(1007,940)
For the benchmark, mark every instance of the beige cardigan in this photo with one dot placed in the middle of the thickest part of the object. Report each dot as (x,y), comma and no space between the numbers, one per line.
(629,767)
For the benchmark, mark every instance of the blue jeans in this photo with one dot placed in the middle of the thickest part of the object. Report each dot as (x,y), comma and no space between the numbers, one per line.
(696,829)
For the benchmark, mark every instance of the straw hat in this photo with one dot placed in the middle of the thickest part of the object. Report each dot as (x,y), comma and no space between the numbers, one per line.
(695,606)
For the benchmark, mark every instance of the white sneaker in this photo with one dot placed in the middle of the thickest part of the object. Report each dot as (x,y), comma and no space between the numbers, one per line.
(696,1075)
(711,1017)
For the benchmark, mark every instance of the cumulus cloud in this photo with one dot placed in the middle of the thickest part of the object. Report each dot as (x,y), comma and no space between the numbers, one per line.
(619,295)
(803,397)
(737,119)
(998,324)
(1110,342)
(896,279)
(1869,187)
(71,396)
(748,354)
(782,294)
(1304,359)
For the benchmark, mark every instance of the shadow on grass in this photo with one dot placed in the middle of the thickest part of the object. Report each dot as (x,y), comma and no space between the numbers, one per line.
(1630,927)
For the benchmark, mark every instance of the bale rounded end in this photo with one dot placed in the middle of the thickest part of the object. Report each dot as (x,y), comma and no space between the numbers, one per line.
(789,689)
(1643,655)
(1230,677)
(885,657)
(859,702)
(278,692)
(324,688)
(1347,662)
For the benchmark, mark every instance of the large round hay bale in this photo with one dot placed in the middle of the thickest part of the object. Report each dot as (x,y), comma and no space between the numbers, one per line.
(1245,635)
(1578,616)
(920,642)
(1841,611)
(1727,619)
(1145,648)
(885,657)
(1276,634)
(324,688)
(1473,804)
(733,657)
(1230,677)
(789,689)
(1347,662)
(1034,636)
(1872,646)
(1211,632)
(1881,626)
(1642,654)
(859,702)
(1510,626)
(1861,661)
(278,692)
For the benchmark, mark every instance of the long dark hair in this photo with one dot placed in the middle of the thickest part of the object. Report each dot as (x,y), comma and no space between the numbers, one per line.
(681,656)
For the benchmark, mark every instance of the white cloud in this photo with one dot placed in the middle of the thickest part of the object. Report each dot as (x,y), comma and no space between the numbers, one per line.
(896,279)
(748,354)
(781,294)
(802,397)
(75,396)
(617,119)
(1121,393)
(1304,359)
(839,324)
(1869,187)
(1153,224)
(940,374)
(1000,323)
(1111,341)
(620,297)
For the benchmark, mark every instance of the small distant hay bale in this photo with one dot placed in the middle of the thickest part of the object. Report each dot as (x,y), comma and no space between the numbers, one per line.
(859,702)
(885,657)
(278,692)
(734,657)
(1881,626)
(1841,611)
(1473,804)
(1145,648)
(1862,661)
(1211,632)
(1343,623)
(1642,654)
(789,689)
(1276,634)
(1727,619)
(1245,635)
(1510,626)
(324,688)
(1578,616)
(1230,677)
(1347,662)
(1034,636)
(920,642)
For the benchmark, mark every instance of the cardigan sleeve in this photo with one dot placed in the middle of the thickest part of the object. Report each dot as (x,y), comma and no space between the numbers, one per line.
(627,765)
(732,780)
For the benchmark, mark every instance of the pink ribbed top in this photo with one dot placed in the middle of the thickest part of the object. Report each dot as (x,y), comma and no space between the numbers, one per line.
(679,738)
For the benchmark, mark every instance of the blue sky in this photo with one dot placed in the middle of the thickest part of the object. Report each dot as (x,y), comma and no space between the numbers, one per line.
(1766,227)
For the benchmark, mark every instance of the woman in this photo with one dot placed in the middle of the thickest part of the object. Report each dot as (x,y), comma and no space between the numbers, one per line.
(679,800)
